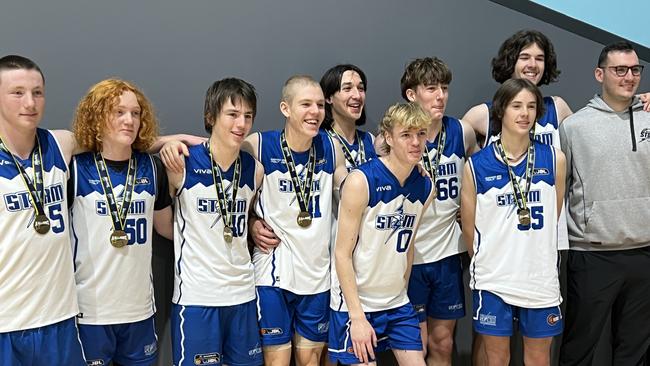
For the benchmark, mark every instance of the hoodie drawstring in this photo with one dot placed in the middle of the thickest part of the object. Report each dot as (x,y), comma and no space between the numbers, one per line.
(632,129)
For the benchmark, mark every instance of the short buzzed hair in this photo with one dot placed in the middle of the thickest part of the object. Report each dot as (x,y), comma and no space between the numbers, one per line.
(16,62)
(289,88)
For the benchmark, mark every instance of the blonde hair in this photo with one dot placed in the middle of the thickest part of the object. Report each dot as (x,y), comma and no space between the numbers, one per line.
(408,115)
(95,109)
(289,88)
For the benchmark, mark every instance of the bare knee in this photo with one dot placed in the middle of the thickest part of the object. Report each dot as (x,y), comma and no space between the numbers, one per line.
(278,355)
(440,339)
(441,343)
(497,350)
(308,352)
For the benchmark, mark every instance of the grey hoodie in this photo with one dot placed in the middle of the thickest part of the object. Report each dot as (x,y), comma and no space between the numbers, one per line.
(608,176)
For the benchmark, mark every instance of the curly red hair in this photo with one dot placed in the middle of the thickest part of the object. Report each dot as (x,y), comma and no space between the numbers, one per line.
(94,112)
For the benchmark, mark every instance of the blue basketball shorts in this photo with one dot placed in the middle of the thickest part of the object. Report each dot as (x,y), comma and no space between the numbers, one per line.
(216,335)
(492,316)
(396,329)
(282,312)
(54,344)
(127,343)
(436,289)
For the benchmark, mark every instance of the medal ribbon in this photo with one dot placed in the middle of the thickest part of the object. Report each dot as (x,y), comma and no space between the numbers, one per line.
(118,216)
(35,186)
(520,197)
(225,208)
(303,192)
(361,154)
(426,159)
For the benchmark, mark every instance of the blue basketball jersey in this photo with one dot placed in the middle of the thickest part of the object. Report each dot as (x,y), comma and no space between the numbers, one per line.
(301,262)
(204,260)
(516,262)
(36,270)
(439,233)
(387,227)
(114,285)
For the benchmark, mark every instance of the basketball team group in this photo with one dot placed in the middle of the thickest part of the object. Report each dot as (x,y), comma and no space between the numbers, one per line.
(322,243)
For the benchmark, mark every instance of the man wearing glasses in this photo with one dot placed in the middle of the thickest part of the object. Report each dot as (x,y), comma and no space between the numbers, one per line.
(607,147)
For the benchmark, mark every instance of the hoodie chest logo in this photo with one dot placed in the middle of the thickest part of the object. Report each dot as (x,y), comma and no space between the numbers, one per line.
(645,135)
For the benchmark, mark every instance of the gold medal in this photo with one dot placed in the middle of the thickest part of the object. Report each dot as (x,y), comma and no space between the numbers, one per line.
(119,239)
(41,224)
(524,216)
(304,219)
(227,234)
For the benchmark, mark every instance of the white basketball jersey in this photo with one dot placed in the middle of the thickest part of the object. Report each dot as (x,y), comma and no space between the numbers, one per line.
(516,262)
(354,148)
(114,285)
(301,263)
(439,233)
(36,271)
(387,227)
(208,270)
(547,131)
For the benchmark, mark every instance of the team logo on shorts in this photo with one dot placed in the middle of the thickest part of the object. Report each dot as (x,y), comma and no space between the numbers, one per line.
(150,349)
(255,350)
(271,331)
(95,362)
(419,308)
(553,319)
(212,358)
(488,319)
(323,327)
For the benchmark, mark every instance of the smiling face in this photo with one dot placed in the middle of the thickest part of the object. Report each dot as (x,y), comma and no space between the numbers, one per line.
(530,64)
(304,109)
(22,99)
(233,123)
(123,125)
(618,89)
(520,112)
(347,103)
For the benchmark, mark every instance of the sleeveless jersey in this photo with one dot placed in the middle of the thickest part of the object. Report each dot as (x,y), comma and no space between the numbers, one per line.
(208,271)
(516,262)
(301,263)
(354,148)
(387,226)
(547,131)
(114,285)
(36,271)
(439,233)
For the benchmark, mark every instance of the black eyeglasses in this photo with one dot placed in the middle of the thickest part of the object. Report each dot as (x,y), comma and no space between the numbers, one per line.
(621,71)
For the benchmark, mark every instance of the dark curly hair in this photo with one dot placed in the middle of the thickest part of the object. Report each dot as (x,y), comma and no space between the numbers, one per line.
(503,65)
